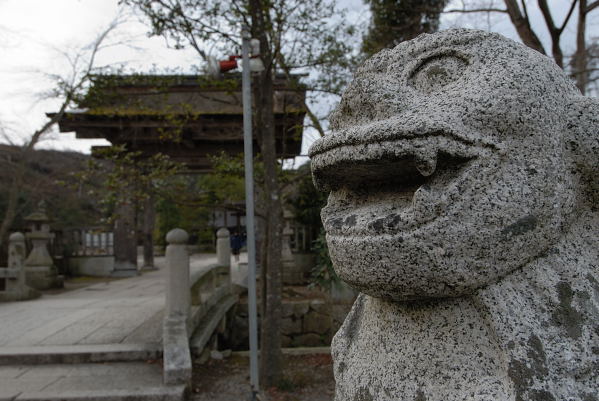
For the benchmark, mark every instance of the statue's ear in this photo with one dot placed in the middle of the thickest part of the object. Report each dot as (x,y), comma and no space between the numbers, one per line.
(582,135)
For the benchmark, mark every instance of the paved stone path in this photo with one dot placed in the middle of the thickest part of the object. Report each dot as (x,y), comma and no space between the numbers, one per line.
(107,316)
(114,311)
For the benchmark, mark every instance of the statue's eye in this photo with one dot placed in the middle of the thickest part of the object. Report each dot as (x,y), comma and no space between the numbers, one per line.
(438,71)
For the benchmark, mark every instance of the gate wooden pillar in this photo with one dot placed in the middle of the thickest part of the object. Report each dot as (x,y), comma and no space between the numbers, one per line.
(125,239)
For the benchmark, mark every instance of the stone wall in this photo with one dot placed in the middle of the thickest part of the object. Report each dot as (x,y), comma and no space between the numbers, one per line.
(306,323)
(95,266)
(298,272)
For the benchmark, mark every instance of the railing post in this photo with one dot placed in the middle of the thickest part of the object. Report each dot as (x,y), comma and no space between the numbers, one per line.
(175,340)
(223,247)
(178,297)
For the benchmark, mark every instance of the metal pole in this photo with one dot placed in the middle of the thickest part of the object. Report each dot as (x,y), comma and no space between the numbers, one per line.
(249,208)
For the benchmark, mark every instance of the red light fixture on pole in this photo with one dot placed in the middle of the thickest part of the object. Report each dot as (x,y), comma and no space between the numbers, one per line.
(228,65)
(256,65)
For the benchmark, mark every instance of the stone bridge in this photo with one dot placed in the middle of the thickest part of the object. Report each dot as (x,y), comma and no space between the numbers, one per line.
(116,331)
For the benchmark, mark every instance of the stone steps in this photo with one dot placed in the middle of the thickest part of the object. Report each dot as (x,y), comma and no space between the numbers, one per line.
(176,393)
(115,381)
(72,354)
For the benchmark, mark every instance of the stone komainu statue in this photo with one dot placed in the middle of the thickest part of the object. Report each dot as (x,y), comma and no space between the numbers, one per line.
(464,194)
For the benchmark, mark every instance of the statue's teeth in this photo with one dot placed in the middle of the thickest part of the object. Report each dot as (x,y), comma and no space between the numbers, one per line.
(426,163)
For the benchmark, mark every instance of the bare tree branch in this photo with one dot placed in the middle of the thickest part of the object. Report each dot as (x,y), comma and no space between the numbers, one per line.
(525,9)
(68,87)
(592,6)
(313,117)
(547,15)
(522,25)
(554,32)
(580,60)
(475,10)
(567,19)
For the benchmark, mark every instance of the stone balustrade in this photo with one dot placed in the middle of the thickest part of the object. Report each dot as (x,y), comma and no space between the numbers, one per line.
(91,242)
(209,284)
(196,297)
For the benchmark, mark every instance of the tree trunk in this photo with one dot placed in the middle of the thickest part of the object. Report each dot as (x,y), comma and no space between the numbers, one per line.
(13,198)
(270,339)
(261,246)
(554,32)
(522,26)
(125,238)
(148,232)
(580,57)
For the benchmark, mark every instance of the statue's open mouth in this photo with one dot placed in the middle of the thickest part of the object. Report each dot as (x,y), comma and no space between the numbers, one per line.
(391,185)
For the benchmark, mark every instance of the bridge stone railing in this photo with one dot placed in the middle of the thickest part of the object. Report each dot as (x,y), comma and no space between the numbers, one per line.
(196,299)
(90,241)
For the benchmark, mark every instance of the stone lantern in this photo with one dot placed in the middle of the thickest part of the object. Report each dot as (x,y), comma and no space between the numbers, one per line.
(291,274)
(40,271)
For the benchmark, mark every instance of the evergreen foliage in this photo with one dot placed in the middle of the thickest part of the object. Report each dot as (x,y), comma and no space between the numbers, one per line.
(303,35)
(307,200)
(323,275)
(395,21)
(48,177)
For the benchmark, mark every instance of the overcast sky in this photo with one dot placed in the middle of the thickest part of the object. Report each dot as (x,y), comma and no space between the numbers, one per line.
(35,33)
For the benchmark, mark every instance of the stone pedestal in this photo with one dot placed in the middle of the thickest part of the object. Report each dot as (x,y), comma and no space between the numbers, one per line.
(40,271)
(39,268)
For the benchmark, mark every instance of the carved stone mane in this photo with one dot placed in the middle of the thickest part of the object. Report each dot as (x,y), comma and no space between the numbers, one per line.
(463,176)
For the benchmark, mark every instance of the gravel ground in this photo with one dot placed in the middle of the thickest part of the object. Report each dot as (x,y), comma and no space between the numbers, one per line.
(306,378)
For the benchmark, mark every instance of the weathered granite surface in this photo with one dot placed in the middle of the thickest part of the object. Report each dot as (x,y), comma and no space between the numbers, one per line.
(13,277)
(464,196)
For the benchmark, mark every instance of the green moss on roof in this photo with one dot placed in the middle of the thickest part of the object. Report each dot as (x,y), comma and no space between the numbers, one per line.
(37,216)
(111,89)
(201,81)
(121,112)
